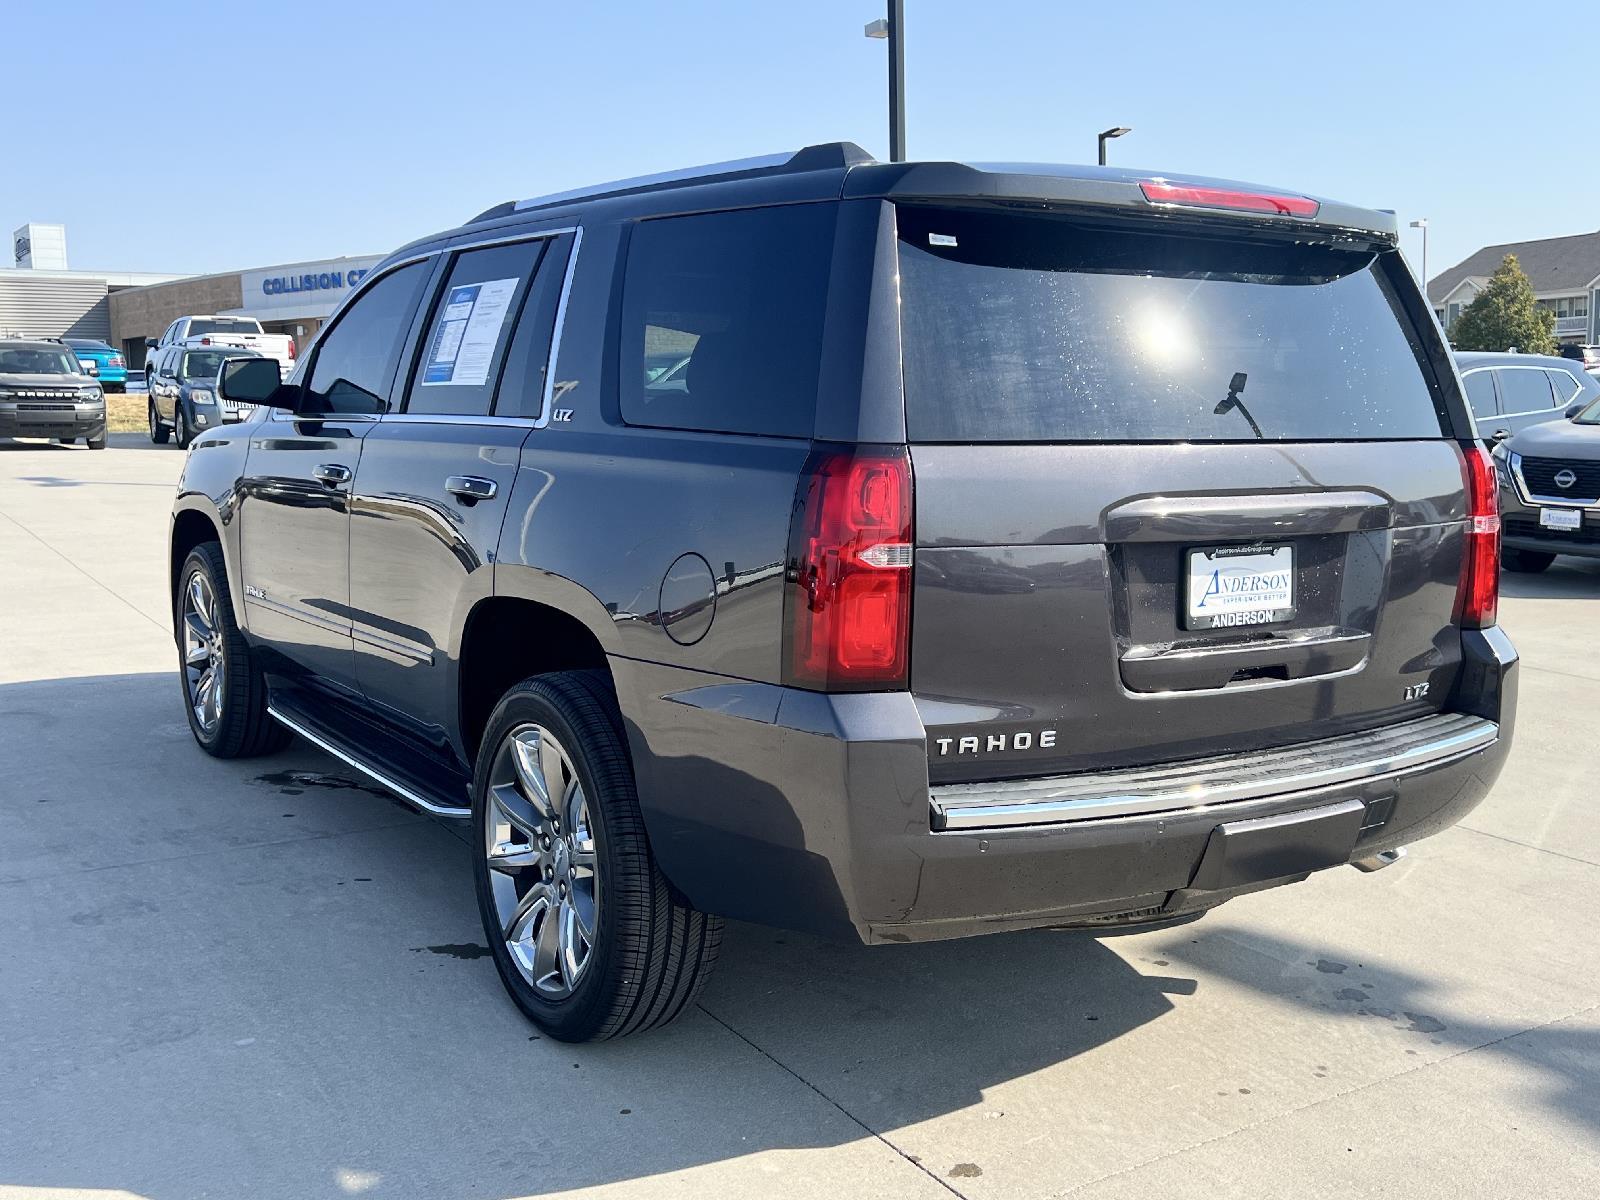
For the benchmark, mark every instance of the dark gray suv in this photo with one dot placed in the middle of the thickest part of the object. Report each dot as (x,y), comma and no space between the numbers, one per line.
(889,551)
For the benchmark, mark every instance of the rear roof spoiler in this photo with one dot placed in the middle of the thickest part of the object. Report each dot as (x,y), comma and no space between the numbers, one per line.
(1112,186)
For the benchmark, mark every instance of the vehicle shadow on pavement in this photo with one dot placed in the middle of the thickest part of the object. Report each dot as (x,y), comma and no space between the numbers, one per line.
(268,972)
(1561,1061)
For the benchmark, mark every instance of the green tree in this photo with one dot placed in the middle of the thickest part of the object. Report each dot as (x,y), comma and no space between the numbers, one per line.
(1505,314)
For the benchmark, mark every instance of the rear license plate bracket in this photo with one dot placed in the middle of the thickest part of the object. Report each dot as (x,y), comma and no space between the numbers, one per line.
(1228,587)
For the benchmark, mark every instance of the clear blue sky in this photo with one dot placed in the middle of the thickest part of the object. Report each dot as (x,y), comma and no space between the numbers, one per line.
(243,134)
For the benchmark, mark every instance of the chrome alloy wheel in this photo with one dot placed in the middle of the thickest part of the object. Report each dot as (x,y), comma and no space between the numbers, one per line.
(205,669)
(544,872)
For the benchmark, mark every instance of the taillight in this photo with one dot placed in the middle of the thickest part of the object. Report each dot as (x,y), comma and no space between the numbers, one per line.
(848,597)
(291,349)
(205,341)
(1158,191)
(1478,597)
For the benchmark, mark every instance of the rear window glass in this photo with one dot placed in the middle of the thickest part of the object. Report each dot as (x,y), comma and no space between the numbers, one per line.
(722,320)
(1524,390)
(202,326)
(1026,329)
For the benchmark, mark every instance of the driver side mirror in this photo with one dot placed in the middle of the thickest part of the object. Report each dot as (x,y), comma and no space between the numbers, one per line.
(1573,409)
(151,343)
(256,381)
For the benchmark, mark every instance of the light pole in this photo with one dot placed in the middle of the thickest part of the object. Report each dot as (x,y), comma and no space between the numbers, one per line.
(1422,224)
(1107,136)
(893,28)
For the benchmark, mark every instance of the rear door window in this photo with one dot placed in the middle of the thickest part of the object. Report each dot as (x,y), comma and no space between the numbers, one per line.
(1566,387)
(470,329)
(1028,329)
(722,320)
(1524,390)
(1480,395)
(522,383)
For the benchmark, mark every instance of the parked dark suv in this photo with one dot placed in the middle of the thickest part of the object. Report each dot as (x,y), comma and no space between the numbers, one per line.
(891,551)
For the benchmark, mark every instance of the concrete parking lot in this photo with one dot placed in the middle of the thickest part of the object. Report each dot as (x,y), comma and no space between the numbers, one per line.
(266,978)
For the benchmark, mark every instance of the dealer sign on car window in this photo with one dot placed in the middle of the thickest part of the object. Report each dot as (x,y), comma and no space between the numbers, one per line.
(1240,585)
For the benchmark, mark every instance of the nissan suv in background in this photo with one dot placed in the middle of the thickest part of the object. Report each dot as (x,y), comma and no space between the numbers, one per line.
(1509,392)
(1550,490)
(1017,546)
(45,393)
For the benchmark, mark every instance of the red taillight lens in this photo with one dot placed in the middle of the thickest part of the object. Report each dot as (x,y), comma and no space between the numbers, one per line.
(1478,597)
(205,341)
(291,349)
(1158,192)
(849,577)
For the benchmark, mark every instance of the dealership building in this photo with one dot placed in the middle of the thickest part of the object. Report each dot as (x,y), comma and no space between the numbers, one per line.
(41,297)
(295,299)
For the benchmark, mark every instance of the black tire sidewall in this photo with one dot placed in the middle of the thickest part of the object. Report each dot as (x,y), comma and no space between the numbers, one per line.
(539,701)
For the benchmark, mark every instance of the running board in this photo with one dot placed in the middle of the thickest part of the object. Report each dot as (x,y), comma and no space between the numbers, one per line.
(321,737)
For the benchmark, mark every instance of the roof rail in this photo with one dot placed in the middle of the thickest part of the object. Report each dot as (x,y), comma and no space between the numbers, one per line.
(822,157)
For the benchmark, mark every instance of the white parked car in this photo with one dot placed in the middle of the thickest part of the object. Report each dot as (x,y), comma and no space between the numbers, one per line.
(244,333)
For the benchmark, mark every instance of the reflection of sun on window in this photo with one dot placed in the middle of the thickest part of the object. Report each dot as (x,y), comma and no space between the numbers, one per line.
(1161,336)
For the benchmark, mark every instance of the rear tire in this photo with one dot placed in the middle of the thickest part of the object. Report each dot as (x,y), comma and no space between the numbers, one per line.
(208,640)
(640,955)
(159,433)
(1525,562)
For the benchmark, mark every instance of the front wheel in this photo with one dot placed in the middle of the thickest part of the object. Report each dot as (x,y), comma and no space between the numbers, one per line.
(180,427)
(1525,562)
(96,443)
(224,693)
(588,936)
(158,431)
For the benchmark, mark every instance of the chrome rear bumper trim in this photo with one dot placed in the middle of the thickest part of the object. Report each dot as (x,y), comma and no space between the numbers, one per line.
(1354,758)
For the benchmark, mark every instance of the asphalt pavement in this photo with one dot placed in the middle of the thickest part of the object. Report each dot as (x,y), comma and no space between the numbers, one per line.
(266,978)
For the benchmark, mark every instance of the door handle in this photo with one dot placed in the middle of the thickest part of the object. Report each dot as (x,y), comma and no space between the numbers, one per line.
(332,474)
(471,488)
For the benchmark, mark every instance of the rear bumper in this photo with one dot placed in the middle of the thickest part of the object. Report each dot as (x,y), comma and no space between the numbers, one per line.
(814,812)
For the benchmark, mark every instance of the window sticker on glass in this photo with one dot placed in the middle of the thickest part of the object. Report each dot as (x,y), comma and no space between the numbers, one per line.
(942,239)
(468,331)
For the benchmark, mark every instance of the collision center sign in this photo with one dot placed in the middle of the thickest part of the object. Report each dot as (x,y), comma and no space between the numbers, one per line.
(312,288)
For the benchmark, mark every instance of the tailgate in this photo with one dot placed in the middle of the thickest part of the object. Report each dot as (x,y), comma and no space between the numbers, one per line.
(1052,626)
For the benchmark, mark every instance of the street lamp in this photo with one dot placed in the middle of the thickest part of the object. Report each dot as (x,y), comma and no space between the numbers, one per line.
(893,29)
(1107,136)
(1422,224)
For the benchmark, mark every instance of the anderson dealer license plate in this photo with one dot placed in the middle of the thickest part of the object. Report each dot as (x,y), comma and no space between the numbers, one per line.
(1240,585)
